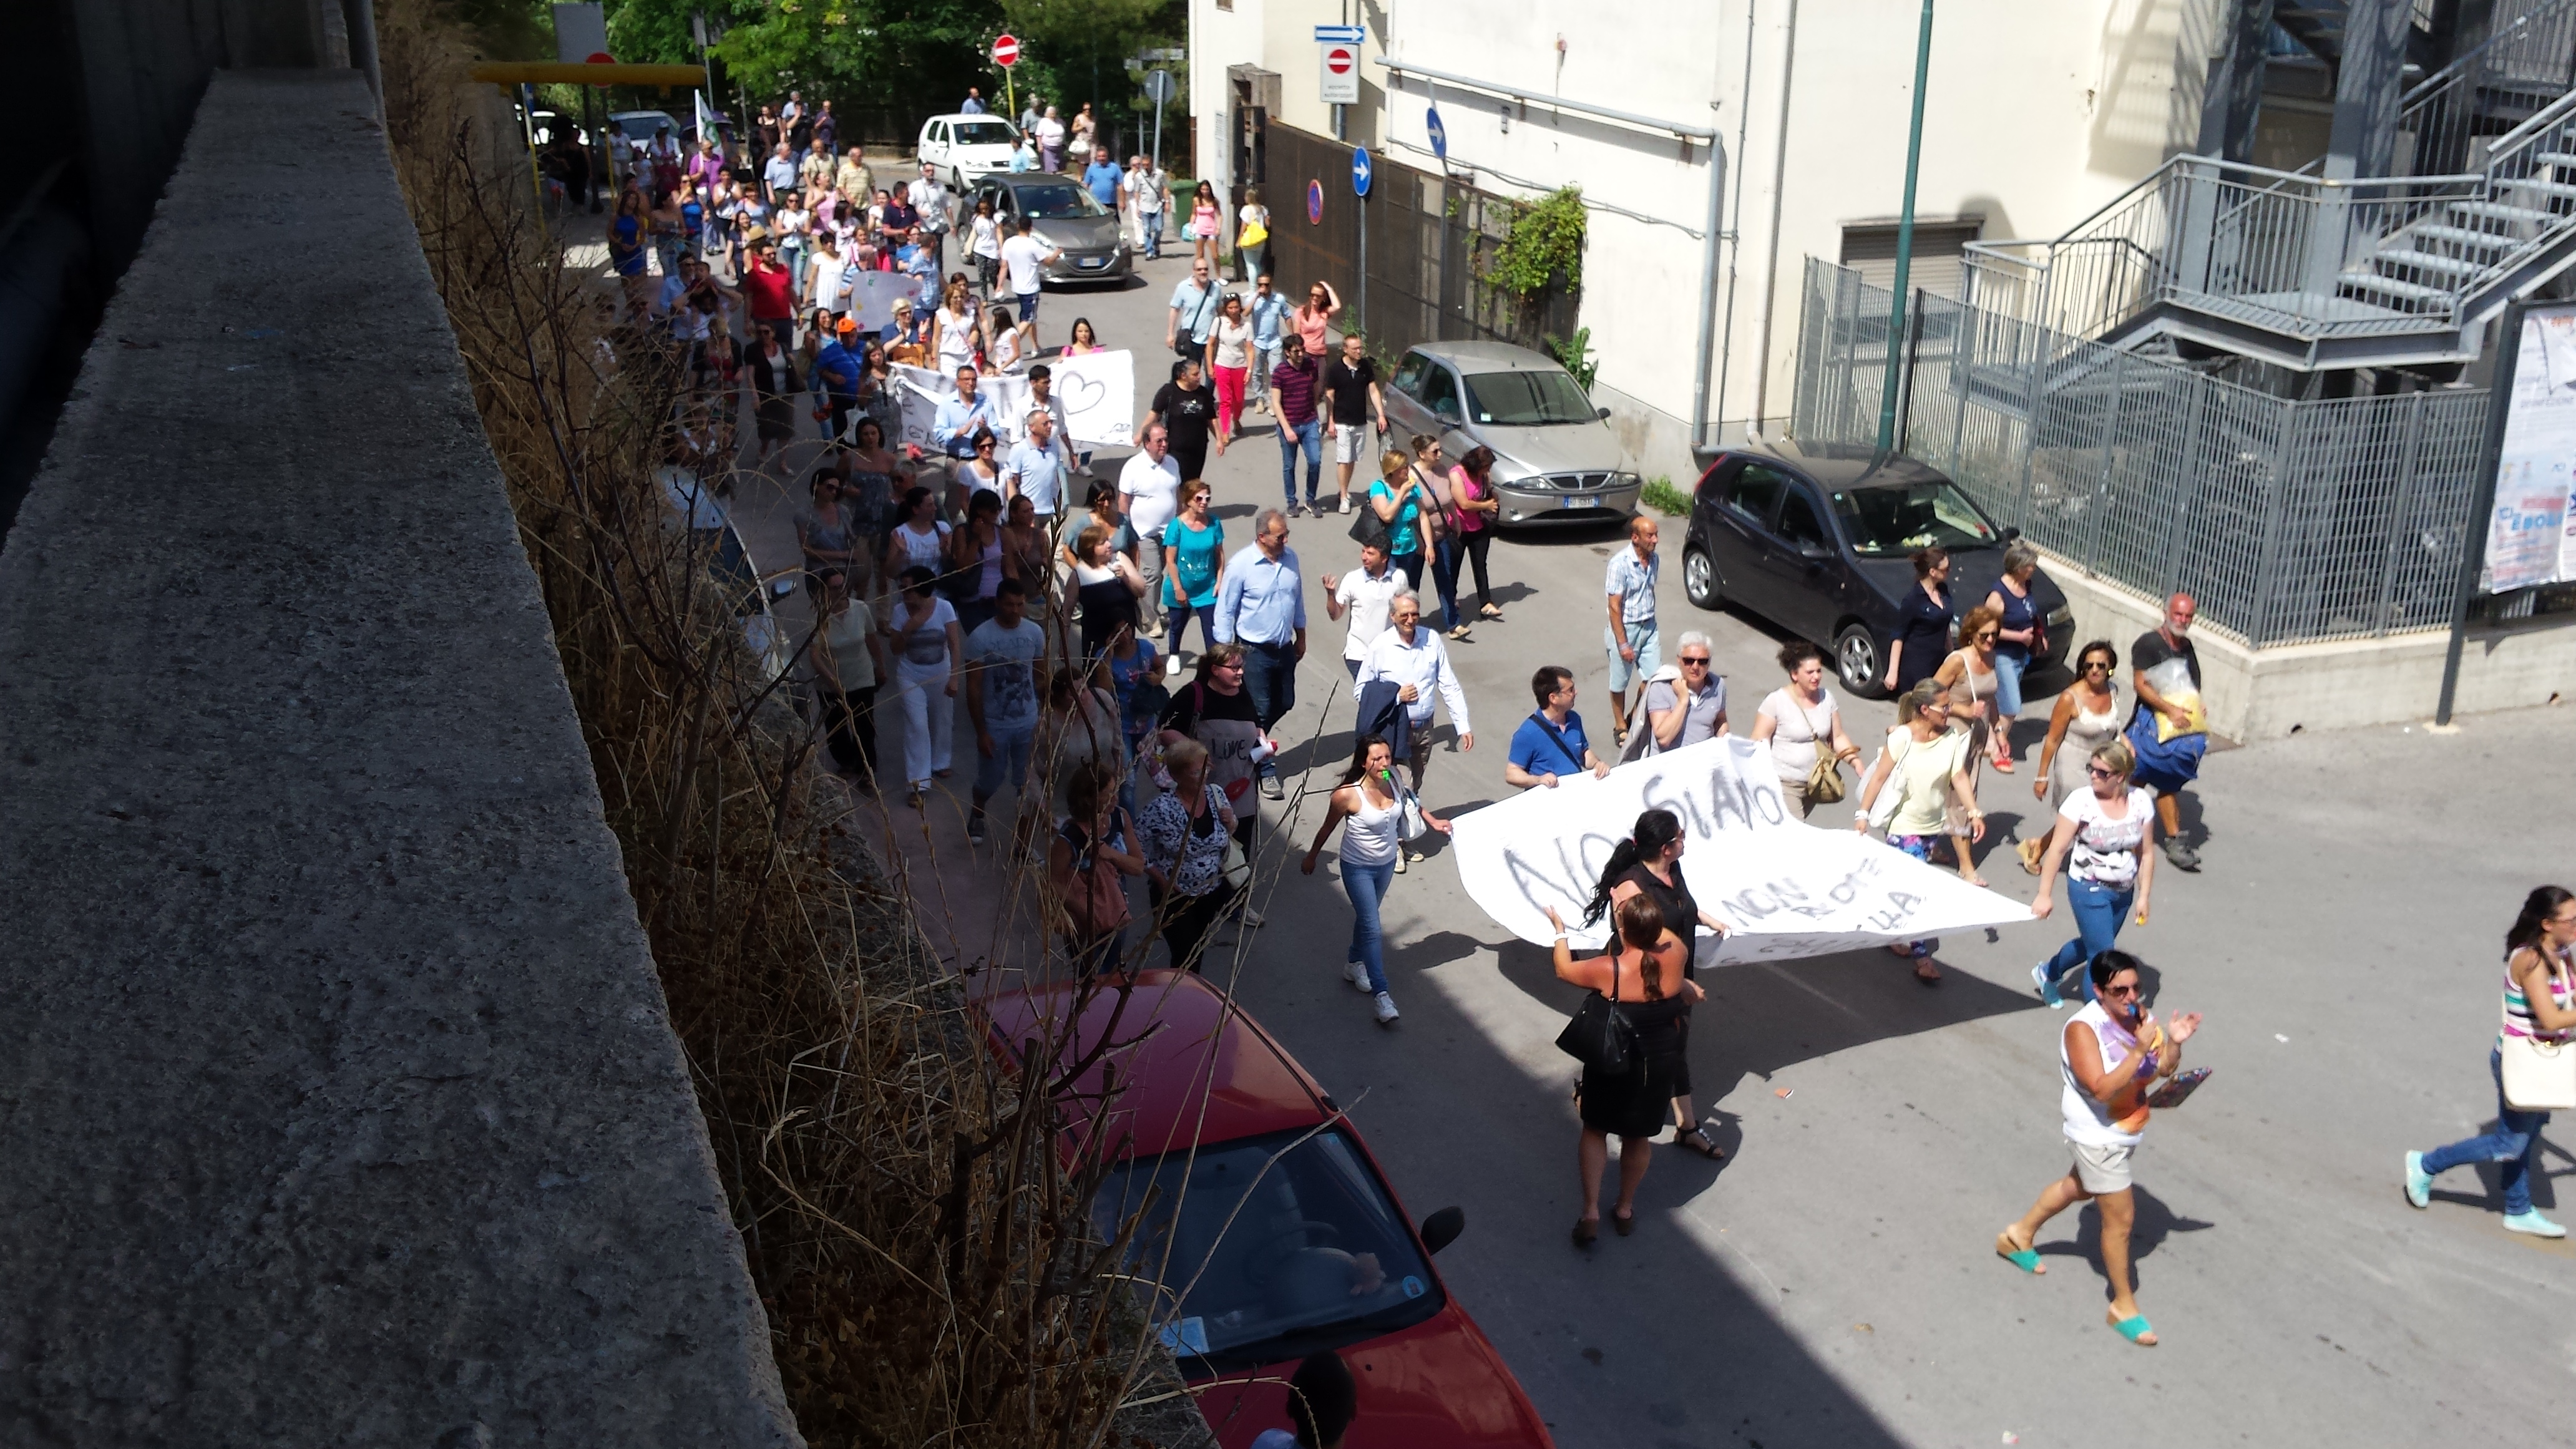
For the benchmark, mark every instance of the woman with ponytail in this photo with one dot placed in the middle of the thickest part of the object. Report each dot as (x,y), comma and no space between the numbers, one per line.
(1649,863)
(1369,801)
(2539,1001)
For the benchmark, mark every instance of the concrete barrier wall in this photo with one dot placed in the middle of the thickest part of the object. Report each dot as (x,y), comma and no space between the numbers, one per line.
(338,1104)
(2264,694)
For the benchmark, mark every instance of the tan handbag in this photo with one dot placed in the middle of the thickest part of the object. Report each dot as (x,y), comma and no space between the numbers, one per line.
(1825,781)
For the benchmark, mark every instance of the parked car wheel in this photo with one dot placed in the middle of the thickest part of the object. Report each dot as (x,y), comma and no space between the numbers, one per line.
(1856,660)
(1699,579)
(957,181)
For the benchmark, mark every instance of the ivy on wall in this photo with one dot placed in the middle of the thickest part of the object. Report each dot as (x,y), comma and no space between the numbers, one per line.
(1545,239)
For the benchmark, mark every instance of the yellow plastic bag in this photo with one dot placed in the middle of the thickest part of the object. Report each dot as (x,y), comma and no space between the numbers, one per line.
(2171,681)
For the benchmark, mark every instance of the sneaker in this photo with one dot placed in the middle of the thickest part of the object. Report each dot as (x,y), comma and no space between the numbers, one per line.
(975,827)
(2182,856)
(1270,788)
(1386,1014)
(2526,1221)
(1399,862)
(1356,973)
(1346,503)
(2047,984)
(1171,666)
(1252,918)
(2419,1183)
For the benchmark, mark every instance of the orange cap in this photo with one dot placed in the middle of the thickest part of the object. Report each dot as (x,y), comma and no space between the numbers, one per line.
(847,324)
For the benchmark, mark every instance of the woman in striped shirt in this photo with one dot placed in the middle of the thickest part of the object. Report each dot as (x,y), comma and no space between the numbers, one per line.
(2539,1001)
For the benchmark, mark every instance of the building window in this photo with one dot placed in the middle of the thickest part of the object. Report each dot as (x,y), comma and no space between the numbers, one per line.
(1940,243)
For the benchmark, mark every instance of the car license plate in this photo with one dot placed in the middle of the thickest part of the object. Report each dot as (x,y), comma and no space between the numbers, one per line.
(1578,500)
(1092,262)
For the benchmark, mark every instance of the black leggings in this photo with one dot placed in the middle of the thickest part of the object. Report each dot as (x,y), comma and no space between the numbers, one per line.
(851,717)
(1186,922)
(1476,545)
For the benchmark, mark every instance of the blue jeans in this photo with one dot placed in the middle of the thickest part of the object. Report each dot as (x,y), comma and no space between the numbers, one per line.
(2008,673)
(1444,572)
(1151,224)
(1028,305)
(1179,617)
(1009,760)
(1308,435)
(794,257)
(1270,672)
(1367,885)
(2098,909)
(2513,1145)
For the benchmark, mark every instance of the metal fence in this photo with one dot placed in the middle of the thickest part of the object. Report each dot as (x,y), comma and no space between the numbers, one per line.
(2289,521)
(1429,239)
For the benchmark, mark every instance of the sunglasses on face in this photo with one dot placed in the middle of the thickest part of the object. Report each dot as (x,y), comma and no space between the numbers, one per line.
(2091,665)
(2099,773)
(1688,663)
(2130,990)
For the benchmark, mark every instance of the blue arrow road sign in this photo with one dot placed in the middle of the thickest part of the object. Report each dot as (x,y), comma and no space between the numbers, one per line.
(1339,35)
(1439,133)
(1359,171)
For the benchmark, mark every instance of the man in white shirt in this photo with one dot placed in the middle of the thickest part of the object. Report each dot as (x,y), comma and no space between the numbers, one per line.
(1414,660)
(1037,466)
(1024,262)
(1153,198)
(1149,494)
(931,199)
(1365,596)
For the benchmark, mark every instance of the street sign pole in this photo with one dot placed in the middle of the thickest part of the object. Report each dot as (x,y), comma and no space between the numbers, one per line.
(1905,237)
(1361,172)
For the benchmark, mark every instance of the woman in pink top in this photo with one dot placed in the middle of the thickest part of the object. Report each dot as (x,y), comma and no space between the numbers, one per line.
(1323,304)
(1204,216)
(1471,496)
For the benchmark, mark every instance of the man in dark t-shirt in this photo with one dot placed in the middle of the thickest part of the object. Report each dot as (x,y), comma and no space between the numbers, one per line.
(1351,392)
(2166,765)
(1186,407)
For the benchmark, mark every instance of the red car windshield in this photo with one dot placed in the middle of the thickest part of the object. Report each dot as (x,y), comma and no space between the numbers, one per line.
(1273,1250)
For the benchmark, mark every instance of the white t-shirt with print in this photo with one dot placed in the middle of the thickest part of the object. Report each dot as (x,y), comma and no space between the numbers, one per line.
(2105,851)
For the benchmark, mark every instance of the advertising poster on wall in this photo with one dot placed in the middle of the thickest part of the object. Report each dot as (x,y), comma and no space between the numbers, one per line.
(2529,538)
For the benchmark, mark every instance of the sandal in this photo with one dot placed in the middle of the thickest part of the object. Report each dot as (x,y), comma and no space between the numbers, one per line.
(2003,764)
(1928,974)
(2134,1328)
(1489,612)
(1695,1139)
(1626,1223)
(2031,851)
(2026,1259)
(1587,1231)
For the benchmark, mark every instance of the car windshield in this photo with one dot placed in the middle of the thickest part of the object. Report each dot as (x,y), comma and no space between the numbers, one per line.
(640,128)
(1528,399)
(1056,200)
(1269,1259)
(982,133)
(1895,519)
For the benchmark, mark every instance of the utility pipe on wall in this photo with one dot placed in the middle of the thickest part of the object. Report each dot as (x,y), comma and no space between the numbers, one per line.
(1771,267)
(1707,294)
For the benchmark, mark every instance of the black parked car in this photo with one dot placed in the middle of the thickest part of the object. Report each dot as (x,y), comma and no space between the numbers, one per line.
(1820,541)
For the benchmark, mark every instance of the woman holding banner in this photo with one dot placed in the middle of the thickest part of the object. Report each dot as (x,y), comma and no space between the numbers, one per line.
(1642,974)
(1930,769)
(1649,863)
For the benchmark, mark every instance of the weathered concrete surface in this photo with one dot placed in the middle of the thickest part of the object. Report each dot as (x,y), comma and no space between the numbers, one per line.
(337,1100)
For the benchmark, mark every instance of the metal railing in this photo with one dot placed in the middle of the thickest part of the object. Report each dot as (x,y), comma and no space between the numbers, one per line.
(2446,119)
(2289,521)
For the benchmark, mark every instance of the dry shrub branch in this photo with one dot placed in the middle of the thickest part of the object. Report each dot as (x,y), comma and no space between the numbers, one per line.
(921,1245)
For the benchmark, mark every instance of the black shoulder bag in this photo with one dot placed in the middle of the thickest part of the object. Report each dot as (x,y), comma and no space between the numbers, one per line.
(1600,1036)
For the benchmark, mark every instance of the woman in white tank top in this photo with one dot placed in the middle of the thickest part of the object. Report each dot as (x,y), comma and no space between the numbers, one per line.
(1371,813)
(2539,1006)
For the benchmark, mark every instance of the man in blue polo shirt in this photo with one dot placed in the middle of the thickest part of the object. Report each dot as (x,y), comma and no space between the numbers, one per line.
(837,371)
(1550,742)
(1102,177)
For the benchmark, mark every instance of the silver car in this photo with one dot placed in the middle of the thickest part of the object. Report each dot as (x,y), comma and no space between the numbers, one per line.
(1555,459)
(1066,218)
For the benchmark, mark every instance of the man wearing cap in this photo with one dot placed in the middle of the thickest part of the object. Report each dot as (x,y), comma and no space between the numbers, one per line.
(952,430)
(1037,465)
(770,288)
(837,370)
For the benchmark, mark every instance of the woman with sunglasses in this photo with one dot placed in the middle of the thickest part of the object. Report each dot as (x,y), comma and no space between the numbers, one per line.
(1928,765)
(2109,1057)
(2087,716)
(2540,1002)
(1970,676)
(2102,836)
(1193,547)
(979,473)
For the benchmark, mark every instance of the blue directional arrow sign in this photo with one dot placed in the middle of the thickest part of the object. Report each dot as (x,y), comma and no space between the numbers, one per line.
(1439,133)
(1339,35)
(1359,171)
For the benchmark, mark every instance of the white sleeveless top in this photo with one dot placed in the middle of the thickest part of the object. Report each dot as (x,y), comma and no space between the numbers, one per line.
(2088,1121)
(1369,833)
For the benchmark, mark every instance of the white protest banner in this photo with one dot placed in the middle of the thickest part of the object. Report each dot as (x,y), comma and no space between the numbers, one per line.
(1008,395)
(1788,889)
(1098,390)
(873,295)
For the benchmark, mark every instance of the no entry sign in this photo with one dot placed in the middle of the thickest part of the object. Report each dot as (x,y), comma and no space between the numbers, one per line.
(1006,51)
(1341,73)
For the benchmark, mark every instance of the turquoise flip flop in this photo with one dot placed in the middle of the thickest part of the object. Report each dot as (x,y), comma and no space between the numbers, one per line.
(2134,1328)
(2026,1259)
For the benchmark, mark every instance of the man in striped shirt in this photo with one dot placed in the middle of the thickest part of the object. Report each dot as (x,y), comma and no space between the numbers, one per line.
(1294,385)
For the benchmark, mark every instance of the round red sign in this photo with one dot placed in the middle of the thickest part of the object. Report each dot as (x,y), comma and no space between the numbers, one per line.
(1006,51)
(1340,58)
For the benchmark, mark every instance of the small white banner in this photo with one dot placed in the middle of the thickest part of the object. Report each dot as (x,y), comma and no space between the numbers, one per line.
(1788,889)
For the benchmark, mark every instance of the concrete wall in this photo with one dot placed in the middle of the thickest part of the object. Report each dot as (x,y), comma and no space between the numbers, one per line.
(340,1102)
(2036,115)
(2263,694)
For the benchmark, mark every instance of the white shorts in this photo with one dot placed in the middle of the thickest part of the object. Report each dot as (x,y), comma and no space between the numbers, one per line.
(1347,439)
(2102,1169)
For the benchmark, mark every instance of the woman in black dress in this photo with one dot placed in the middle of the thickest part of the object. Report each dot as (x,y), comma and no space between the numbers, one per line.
(1642,973)
(1923,630)
(1649,863)
(775,382)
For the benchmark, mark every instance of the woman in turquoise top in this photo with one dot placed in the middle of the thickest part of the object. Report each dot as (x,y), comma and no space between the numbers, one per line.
(1399,498)
(1193,565)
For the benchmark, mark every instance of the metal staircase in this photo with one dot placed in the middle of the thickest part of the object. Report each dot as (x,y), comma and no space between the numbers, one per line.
(2311,273)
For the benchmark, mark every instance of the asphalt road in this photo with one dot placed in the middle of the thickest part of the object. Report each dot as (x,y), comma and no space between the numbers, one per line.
(1833,1283)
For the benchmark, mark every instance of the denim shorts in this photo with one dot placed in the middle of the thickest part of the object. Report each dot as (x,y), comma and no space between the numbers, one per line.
(1649,653)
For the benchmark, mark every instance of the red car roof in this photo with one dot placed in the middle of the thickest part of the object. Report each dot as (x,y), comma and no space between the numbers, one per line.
(1188,1065)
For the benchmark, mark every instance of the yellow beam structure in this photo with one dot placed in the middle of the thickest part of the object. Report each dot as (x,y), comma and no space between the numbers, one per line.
(552,72)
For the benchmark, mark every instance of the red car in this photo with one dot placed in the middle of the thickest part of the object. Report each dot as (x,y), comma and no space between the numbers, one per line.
(1271,1260)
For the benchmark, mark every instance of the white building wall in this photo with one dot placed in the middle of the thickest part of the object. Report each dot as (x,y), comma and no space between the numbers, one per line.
(2037,114)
